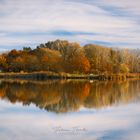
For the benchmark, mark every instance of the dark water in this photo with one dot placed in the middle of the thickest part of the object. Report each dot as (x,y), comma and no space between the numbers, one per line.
(65,110)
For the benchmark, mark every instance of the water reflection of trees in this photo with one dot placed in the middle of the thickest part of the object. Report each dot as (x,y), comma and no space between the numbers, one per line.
(64,96)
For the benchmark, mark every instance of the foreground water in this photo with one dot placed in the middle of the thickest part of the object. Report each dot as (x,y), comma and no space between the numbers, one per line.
(69,110)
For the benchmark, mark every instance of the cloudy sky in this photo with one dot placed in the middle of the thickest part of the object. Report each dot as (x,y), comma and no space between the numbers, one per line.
(106,22)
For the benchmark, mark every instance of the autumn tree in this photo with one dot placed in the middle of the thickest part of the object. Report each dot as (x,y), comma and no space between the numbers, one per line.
(3,63)
(64,56)
(51,61)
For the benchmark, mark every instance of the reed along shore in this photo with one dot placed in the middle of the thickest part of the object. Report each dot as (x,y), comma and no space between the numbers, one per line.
(52,75)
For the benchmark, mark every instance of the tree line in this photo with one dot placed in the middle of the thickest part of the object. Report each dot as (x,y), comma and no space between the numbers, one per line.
(64,56)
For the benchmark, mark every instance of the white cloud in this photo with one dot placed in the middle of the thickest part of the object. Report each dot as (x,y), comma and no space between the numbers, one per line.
(132,6)
(18,122)
(46,16)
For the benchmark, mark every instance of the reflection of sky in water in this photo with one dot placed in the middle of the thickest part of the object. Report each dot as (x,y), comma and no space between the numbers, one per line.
(27,123)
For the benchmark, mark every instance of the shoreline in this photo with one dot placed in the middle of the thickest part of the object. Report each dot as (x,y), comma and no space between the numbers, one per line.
(61,76)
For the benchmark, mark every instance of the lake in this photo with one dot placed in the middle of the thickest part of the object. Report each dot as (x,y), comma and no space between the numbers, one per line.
(69,110)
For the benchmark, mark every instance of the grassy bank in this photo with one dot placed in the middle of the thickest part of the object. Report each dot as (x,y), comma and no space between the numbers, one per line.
(51,75)
(42,75)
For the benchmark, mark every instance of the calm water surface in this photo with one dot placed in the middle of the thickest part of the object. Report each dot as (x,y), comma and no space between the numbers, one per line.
(69,110)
